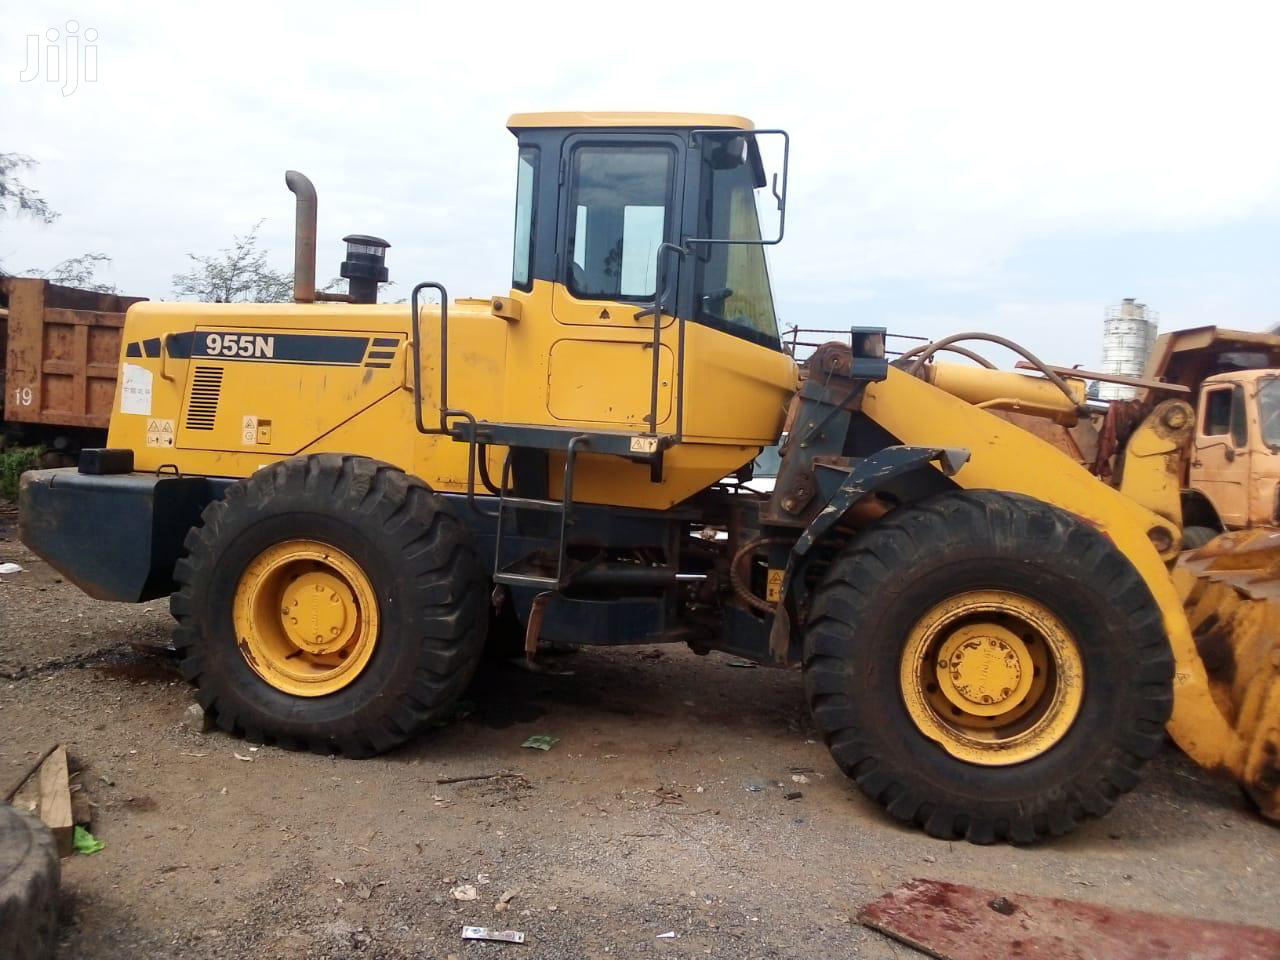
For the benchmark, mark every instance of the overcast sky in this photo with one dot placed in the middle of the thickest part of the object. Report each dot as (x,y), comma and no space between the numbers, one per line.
(1013,167)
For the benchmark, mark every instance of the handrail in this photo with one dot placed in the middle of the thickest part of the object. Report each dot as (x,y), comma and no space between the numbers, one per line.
(416,336)
(661,294)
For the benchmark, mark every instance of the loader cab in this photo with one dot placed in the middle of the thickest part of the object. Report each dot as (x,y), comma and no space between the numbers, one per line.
(598,194)
(642,287)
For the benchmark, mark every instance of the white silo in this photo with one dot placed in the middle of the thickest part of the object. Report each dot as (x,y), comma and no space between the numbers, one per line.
(1128,335)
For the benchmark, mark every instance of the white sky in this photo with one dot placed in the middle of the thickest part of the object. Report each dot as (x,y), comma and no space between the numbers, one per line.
(1011,167)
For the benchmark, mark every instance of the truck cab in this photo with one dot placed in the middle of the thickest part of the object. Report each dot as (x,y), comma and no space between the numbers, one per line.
(1235,461)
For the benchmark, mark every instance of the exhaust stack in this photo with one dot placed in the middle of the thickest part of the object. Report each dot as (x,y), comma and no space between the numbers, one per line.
(304,237)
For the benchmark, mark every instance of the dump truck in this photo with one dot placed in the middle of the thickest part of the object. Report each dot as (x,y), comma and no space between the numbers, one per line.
(61,352)
(347,501)
(1209,398)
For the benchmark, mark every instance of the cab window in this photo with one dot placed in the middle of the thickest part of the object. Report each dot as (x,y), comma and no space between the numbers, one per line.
(526,181)
(733,279)
(619,215)
(1224,414)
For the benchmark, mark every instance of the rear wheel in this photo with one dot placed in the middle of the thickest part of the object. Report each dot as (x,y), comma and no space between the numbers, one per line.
(985,665)
(330,603)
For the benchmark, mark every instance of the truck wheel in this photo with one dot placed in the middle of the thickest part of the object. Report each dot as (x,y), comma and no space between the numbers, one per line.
(29,872)
(987,666)
(331,603)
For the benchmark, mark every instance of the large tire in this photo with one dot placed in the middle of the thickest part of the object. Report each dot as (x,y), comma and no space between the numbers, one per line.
(872,604)
(422,579)
(29,873)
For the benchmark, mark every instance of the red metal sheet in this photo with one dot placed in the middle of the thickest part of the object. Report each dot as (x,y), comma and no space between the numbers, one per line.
(952,921)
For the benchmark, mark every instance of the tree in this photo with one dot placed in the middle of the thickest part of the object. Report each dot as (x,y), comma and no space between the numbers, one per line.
(16,198)
(78,272)
(236,274)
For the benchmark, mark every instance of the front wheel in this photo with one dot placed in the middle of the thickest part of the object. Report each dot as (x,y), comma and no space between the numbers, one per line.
(987,666)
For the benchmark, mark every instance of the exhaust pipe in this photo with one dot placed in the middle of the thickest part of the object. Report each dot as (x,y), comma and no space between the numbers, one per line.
(304,237)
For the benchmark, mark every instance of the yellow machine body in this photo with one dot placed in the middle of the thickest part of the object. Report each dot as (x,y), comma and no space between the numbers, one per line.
(227,416)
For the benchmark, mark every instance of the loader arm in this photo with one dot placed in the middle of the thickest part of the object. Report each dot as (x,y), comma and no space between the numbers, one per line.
(1005,457)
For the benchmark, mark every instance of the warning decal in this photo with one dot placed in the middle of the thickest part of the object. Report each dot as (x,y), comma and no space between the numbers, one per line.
(160,432)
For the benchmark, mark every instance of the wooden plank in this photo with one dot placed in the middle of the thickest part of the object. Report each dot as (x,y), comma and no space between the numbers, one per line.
(55,800)
(952,921)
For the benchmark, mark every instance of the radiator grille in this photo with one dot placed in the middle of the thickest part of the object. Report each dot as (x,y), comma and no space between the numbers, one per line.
(202,404)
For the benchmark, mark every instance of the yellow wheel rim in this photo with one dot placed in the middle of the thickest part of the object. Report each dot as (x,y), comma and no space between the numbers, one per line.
(992,677)
(306,618)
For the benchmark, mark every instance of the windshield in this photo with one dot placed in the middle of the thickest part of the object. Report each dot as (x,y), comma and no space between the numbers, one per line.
(733,292)
(1269,410)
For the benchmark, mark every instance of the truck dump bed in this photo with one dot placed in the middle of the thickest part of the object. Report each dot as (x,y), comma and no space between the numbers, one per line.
(61,352)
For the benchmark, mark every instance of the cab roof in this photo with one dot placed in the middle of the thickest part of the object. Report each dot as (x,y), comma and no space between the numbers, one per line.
(525,121)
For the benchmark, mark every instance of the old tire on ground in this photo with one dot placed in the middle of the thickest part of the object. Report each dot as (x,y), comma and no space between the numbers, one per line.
(1047,687)
(1193,537)
(330,603)
(29,873)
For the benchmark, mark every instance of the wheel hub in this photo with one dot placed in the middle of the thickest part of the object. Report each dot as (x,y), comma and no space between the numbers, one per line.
(993,677)
(306,618)
(319,612)
(984,668)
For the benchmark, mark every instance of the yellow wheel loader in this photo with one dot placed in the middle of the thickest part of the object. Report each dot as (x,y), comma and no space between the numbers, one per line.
(347,501)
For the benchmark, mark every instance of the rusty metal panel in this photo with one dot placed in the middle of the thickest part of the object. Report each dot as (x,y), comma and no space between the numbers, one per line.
(62,353)
(952,921)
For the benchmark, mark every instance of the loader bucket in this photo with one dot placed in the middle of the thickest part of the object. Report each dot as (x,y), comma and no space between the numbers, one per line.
(1230,589)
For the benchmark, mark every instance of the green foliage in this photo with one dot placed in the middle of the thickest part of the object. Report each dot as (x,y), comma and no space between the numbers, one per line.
(16,198)
(13,463)
(236,274)
(79,272)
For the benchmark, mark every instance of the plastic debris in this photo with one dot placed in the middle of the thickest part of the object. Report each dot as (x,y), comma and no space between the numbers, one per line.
(744,664)
(541,741)
(11,568)
(669,935)
(464,891)
(82,841)
(484,933)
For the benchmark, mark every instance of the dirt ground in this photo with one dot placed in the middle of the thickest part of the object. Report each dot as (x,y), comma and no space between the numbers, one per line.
(661,809)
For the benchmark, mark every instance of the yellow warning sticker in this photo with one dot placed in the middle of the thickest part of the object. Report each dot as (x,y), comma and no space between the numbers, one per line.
(160,432)
(249,431)
(773,587)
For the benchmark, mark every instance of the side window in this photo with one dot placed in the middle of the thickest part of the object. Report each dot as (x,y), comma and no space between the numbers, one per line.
(1224,413)
(526,185)
(618,215)
(1217,412)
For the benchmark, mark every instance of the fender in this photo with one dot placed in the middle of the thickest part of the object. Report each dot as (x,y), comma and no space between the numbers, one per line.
(867,475)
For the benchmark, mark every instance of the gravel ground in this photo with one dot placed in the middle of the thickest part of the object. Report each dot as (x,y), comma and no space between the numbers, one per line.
(660,810)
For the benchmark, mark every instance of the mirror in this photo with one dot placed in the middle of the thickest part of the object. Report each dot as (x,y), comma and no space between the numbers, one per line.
(743,186)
